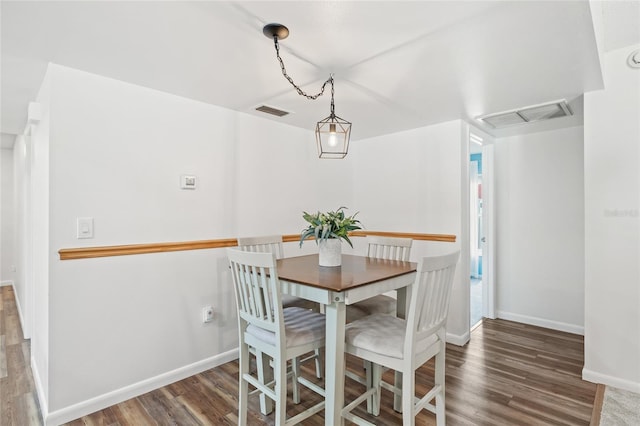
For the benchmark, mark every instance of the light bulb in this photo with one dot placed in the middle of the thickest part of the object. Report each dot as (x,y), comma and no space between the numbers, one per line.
(333,138)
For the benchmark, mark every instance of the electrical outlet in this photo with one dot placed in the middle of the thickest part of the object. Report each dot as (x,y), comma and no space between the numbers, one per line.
(207,314)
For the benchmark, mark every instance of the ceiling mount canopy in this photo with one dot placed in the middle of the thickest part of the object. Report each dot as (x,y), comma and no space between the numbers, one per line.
(332,133)
(278,31)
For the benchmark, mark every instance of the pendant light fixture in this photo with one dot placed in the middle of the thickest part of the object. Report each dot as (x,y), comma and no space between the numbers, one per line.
(332,133)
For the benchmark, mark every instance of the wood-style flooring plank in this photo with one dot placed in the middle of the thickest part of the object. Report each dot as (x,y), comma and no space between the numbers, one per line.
(508,374)
(597,406)
(18,402)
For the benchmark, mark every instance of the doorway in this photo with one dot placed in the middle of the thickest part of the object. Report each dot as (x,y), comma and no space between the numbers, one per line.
(481,228)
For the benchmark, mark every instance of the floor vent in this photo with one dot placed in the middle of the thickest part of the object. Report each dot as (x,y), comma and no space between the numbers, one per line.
(527,114)
(271,110)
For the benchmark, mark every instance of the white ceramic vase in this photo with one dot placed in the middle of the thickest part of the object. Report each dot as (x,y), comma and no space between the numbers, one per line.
(330,252)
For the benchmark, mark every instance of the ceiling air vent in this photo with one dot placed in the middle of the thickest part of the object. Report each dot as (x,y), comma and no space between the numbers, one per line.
(271,110)
(527,114)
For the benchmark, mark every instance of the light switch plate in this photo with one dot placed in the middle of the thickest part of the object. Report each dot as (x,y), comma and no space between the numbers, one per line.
(84,227)
(188,182)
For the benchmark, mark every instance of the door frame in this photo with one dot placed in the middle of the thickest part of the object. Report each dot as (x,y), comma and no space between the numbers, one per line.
(488,220)
(489,231)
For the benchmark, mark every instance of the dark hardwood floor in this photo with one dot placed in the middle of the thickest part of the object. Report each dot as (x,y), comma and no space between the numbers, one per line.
(509,374)
(18,400)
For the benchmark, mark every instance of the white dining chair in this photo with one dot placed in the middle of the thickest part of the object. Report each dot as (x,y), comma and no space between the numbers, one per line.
(273,244)
(386,248)
(281,333)
(389,248)
(406,344)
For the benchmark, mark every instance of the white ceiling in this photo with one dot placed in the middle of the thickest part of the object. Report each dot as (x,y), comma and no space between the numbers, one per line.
(397,65)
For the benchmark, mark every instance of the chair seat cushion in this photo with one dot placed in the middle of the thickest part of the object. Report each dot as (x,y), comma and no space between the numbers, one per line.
(383,334)
(301,325)
(379,304)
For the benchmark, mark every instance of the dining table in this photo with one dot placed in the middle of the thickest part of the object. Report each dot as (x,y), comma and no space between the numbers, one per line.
(356,279)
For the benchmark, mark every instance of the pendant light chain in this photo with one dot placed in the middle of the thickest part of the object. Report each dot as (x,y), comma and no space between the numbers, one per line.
(332,133)
(298,89)
(333,107)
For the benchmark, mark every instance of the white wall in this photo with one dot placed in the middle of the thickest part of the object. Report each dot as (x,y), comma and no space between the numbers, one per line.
(35,162)
(540,229)
(7,221)
(23,229)
(120,326)
(612,226)
(412,182)
(277,178)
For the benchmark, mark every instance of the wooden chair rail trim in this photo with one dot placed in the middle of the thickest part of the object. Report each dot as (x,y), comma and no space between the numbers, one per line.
(125,250)
(446,238)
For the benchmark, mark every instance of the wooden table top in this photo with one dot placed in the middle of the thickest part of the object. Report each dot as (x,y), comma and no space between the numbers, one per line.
(355,271)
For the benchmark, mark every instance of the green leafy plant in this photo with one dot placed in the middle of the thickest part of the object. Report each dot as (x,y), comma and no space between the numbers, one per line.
(328,225)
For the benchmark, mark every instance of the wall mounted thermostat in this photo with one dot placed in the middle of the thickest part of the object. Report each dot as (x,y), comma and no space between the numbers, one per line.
(187,182)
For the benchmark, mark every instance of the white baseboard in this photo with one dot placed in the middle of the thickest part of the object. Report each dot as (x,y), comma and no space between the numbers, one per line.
(541,322)
(6,283)
(458,340)
(616,382)
(92,405)
(37,380)
(25,333)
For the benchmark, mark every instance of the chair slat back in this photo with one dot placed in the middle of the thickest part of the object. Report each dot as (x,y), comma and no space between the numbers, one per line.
(389,248)
(430,296)
(257,292)
(266,244)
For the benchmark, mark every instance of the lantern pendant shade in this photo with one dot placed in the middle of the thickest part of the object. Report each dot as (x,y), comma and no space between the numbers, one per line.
(332,137)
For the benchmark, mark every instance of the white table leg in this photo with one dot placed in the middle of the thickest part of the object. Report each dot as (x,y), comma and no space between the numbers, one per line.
(401,312)
(334,364)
